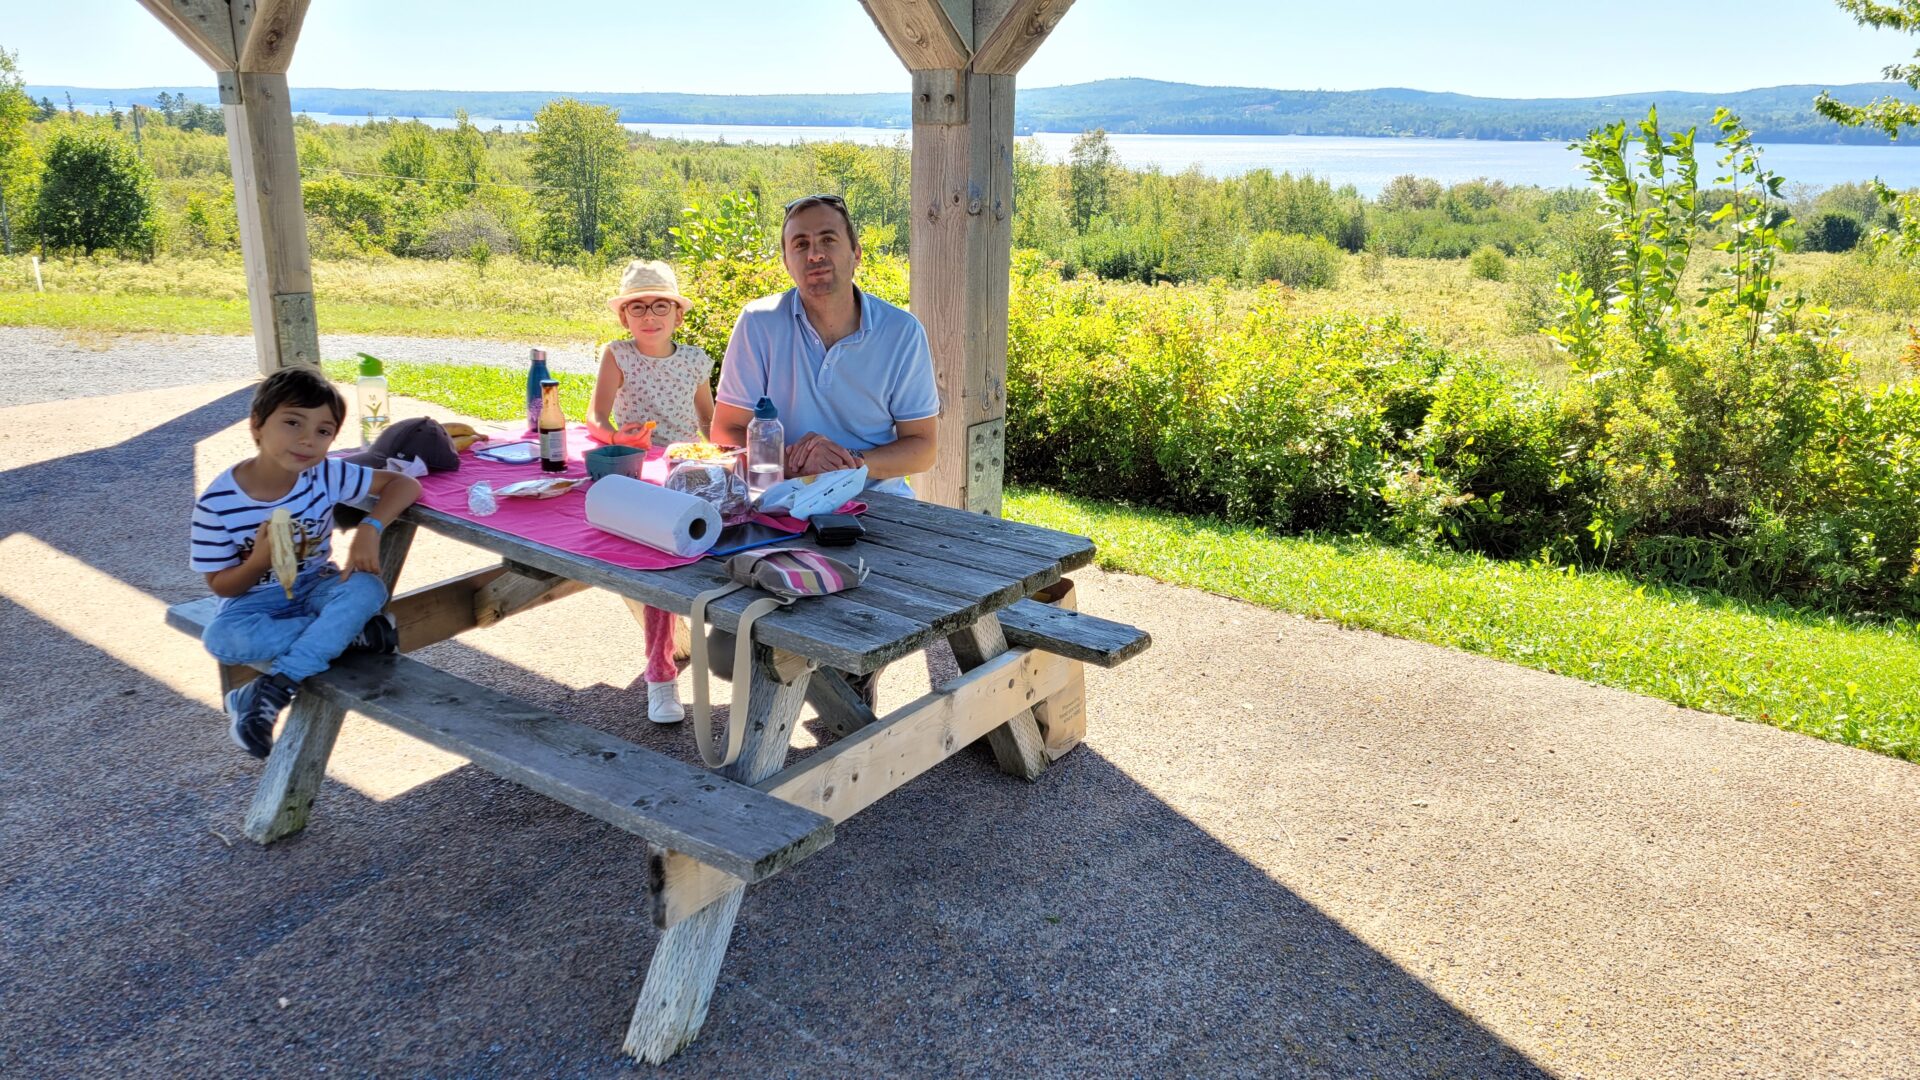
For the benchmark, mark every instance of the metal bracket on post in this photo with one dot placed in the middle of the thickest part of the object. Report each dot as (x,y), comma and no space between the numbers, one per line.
(229,87)
(986,465)
(294,330)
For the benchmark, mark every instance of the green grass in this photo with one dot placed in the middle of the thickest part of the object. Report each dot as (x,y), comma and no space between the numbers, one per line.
(111,313)
(1849,683)
(484,393)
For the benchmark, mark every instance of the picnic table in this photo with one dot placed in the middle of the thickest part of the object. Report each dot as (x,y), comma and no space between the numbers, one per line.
(936,574)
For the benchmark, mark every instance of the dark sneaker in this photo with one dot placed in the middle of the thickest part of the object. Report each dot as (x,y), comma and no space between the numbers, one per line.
(252,710)
(380,636)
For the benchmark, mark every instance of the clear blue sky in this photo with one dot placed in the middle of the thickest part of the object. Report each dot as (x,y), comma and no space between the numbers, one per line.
(1501,48)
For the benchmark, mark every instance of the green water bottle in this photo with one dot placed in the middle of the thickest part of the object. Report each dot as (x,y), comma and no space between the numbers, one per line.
(371,390)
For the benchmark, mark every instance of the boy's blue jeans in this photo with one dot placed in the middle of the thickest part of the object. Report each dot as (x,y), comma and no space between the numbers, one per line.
(301,636)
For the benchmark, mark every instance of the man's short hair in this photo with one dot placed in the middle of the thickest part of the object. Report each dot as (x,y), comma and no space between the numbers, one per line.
(832,202)
(300,388)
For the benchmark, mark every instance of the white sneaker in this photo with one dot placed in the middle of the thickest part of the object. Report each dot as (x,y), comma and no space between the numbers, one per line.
(663,703)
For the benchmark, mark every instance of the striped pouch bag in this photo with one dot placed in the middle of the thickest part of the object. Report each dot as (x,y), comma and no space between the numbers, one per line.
(785,575)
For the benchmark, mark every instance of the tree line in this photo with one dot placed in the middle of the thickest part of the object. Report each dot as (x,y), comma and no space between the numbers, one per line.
(579,187)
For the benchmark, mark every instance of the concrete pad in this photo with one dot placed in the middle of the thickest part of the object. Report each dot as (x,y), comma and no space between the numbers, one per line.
(1285,850)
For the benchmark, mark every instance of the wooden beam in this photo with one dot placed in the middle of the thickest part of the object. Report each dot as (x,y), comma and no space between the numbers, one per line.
(923,33)
(273,223)
(264,32)
(205,26)
(857,771)
(1017,745)
(962,192)
(686,962)
(1008,33)
(517,591)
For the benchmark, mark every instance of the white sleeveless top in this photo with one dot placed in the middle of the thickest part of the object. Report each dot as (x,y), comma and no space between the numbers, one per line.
(661,389)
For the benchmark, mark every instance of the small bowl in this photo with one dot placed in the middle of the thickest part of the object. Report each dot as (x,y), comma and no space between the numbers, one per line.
(615,461)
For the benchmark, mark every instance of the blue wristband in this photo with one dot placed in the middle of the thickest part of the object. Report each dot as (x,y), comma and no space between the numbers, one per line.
(378,529)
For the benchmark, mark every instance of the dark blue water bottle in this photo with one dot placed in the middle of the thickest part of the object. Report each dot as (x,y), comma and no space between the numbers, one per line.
(536,374)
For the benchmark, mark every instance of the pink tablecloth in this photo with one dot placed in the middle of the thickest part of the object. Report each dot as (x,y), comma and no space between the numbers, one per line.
(562,522)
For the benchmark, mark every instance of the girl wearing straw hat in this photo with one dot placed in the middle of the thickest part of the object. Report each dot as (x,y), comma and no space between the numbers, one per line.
(653,377)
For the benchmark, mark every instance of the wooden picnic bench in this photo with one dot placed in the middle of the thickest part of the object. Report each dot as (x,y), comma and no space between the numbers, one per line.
(935,574)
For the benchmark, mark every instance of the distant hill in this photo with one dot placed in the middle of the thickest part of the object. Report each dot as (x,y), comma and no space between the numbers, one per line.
(1776,114)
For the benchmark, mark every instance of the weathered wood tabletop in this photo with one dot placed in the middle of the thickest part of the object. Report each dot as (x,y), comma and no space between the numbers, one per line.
(934,571)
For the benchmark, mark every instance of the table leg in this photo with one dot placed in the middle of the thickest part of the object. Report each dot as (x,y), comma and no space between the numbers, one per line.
(1017,744)
(395,541)
(284,800)
(295,769)
(686,963)
(841,708)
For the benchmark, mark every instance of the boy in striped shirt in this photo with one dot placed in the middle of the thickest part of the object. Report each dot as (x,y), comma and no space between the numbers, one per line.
(295,415)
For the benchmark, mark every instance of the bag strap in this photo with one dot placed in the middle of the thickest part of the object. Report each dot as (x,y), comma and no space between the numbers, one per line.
(710,751)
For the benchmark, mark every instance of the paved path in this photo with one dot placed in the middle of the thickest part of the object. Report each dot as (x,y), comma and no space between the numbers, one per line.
(1286,850)
(53,365)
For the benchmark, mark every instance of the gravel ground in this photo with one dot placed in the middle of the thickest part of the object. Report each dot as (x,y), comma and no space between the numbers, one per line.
(54,365)
(1285,850)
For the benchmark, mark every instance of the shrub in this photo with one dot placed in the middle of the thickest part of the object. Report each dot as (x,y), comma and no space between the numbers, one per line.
(1125,253)
(1832,231)
(464,231)
(1488,264)
(1300,262)
(95,193)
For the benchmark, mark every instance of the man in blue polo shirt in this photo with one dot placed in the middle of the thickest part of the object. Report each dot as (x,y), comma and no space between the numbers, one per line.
(851,374)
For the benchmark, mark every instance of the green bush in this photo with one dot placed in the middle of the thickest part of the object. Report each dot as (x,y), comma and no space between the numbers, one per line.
(1300,262)
(95,193)
(1124,253)
(1831,231)
(1871,280)
(1754,466)
(1296,423)
(1488,264)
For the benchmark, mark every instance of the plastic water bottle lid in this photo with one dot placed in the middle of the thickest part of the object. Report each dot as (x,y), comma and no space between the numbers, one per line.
(369,365)
(764,410)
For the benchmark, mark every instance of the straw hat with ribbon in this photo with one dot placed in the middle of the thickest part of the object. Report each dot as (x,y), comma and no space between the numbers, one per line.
(648,277)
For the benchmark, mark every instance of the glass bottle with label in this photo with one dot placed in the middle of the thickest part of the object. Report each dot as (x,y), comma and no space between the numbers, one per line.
(553,428)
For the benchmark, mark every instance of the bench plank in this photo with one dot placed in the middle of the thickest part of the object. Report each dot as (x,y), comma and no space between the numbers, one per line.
(1030,624)
(669,802)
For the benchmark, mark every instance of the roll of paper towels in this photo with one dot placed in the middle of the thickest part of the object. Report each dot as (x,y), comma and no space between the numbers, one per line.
(649,514)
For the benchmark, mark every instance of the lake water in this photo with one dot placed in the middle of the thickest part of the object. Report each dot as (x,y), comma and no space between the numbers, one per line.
(1365,163)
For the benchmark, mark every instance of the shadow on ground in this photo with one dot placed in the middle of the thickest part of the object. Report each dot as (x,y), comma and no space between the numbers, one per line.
(970,924)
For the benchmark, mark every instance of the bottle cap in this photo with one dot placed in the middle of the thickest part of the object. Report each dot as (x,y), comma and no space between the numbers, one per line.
(544,383)
(369,365)
(536,356)
(764,410)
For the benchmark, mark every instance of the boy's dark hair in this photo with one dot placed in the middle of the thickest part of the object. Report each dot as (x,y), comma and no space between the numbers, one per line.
(299,387)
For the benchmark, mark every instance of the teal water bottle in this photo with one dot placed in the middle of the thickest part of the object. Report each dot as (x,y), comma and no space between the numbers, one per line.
(536,374)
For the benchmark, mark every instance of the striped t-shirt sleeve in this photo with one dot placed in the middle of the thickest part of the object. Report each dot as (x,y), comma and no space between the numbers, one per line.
(221,527)
(346,482)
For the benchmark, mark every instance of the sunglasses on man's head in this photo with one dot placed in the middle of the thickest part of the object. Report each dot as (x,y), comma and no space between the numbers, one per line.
(806,201)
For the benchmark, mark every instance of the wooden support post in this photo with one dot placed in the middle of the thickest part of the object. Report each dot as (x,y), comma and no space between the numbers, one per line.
(395,541)
(962,245)
(249,44)
(298,764)
(1017,744)
(273,223)
(686,962)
